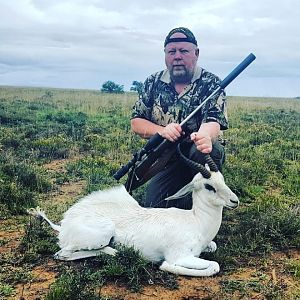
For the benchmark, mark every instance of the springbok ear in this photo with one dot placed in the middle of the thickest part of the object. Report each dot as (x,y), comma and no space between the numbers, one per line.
(182,192)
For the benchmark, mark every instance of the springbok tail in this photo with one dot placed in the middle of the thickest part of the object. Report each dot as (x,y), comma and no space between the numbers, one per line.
(37,212)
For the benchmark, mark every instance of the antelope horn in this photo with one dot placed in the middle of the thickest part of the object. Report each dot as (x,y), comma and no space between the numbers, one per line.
(212,165)
(194,165)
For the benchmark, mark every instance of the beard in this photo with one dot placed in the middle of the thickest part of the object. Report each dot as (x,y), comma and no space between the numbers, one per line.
(180,74)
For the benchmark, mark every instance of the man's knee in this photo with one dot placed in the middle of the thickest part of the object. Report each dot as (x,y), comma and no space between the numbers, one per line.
(218,154)
(167,183)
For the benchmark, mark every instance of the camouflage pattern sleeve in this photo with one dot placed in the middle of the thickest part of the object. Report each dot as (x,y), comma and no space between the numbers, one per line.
(144,105)
(217,111)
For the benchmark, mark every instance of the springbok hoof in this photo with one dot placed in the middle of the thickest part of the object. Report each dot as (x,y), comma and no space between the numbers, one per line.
(211,247)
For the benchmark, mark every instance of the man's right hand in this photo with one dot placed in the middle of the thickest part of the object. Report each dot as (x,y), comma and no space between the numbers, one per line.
(171,132)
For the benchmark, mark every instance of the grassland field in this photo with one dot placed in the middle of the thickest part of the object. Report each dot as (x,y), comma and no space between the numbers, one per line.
(57,145)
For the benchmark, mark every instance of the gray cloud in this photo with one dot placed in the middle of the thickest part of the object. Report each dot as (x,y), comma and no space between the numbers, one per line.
(81,44)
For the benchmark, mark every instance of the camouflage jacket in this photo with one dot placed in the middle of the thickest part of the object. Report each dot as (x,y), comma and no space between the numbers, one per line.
(161,104)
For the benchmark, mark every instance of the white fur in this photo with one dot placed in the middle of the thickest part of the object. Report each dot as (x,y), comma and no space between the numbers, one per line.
(174,236)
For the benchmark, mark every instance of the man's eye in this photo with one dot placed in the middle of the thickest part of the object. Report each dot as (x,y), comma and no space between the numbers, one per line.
(172,52)
(184,51)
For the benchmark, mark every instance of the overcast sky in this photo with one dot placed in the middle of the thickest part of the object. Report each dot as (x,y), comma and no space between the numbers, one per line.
(83,43)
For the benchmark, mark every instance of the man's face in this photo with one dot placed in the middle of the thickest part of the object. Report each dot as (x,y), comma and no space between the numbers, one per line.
(181,59)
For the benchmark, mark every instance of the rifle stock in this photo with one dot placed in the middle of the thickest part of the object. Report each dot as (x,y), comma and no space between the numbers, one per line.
(153,142)
(151,159)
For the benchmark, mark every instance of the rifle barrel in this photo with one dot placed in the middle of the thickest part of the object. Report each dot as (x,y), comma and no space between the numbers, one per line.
(229,78)
(238,70)
(199,106)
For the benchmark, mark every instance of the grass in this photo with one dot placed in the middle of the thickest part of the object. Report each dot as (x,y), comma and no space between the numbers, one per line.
(294,268)
(90,132)
(258,285)
(6,290)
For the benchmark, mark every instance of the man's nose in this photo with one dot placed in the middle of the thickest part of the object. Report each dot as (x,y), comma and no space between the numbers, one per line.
(177,55)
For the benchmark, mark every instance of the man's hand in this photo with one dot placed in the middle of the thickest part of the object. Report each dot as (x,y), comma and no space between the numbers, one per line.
(171,132)
(202,141)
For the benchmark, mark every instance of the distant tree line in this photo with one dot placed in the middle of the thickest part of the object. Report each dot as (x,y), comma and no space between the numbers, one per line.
(112,87)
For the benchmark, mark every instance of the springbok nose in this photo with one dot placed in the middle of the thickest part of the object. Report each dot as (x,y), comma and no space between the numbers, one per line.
(235,202)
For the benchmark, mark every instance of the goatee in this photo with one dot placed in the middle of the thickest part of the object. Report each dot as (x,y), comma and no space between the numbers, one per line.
(180,75)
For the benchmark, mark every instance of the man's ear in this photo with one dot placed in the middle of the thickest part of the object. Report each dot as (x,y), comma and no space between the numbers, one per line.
(197,52)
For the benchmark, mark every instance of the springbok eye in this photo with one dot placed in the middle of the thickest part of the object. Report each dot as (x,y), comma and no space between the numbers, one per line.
(209,187)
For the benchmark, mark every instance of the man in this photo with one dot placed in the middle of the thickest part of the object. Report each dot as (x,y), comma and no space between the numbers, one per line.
(168,98)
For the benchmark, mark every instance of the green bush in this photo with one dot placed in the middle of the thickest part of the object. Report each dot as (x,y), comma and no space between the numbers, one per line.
(96,170)
(71,286)
(39,239)
(16,198)
(20,185)
(256,231)
(53,147)
(28,176)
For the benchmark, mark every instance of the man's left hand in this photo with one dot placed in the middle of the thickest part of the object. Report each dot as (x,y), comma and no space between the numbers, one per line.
(202,141)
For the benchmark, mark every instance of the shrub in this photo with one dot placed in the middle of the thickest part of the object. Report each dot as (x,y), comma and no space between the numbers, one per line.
(28,176)
(16,198)
(20,185)
(53,147)
(111,87)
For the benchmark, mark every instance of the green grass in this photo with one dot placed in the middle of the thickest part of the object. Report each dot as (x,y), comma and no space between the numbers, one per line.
(293,267)
(39,126)
(257,285)
(84,280)
(6,290)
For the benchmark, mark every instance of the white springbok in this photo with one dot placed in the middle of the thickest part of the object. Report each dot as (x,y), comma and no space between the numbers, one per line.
(173,236)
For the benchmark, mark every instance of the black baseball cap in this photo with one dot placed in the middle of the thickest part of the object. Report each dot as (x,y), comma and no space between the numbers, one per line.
(189,36)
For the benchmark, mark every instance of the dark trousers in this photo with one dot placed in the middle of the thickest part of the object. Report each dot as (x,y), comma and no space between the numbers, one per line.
(175,176)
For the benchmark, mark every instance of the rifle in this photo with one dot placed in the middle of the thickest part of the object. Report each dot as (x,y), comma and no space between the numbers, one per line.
(153,157)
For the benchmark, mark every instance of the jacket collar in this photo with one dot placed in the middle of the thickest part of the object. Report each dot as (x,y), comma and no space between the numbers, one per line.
(167,79)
